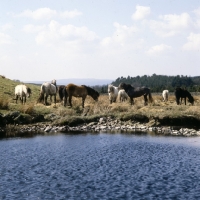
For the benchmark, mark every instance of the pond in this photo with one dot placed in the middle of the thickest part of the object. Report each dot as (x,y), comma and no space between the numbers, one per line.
(100,166)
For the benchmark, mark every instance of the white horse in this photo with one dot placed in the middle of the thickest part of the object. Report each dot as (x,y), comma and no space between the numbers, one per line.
(22,91)
(112,93)
(122,95)
(46,90)
(165,95)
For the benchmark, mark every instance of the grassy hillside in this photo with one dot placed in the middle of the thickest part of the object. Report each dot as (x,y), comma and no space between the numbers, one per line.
(7,89)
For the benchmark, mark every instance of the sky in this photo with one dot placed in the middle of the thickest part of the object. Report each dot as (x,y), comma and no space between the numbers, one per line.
(105,39)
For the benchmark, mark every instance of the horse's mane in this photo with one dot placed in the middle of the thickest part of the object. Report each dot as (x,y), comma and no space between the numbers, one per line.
(90,90)
(129,86)
(125,86)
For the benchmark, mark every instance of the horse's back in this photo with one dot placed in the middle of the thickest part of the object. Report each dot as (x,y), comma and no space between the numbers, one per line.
(76,90)
(20,89)
(48,88)
(165,93)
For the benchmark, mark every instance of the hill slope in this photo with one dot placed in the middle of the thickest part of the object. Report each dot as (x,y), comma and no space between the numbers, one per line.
(7,89)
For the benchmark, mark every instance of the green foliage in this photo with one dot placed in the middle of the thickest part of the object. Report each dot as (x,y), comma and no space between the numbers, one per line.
(158,83)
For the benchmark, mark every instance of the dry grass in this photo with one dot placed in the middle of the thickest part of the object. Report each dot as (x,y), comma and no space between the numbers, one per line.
(102,107)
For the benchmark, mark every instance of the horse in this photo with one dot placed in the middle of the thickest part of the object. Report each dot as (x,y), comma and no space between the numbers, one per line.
(165,95)
(79,91)
(62,92)
(122,95)
(112,93)
(136,92)
(22,91)
(183,94)
(46,90)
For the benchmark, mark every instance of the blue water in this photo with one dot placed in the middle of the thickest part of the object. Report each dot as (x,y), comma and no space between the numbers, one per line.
(100,166)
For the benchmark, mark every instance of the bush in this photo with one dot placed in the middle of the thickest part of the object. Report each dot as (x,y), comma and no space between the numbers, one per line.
(4,104)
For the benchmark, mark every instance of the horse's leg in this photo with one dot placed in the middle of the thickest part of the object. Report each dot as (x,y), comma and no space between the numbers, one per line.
(51,98)
(177,101)
(24,99)
(45,99)
(55,98)
(16,98)
(21,99)
(145,100)
(132,101)
(185,100)
(110,99)
(83,100)
(70,101)
(64,101)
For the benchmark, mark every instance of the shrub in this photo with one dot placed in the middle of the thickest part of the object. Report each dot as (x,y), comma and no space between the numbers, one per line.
(4,103)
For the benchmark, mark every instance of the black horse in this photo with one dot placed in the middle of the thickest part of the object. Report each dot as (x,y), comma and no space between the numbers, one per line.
(183,94)
(136,92)
(62,92)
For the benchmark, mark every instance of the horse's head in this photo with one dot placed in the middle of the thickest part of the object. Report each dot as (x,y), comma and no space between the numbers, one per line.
(191,100)
(110,89)
(28,92)
(95,95)
(53,82)
(125,86)
(122,86)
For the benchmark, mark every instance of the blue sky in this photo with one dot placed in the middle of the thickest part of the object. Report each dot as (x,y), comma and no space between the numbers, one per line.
(48,39)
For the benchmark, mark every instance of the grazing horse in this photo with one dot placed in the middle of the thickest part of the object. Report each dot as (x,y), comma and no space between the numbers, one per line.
(62,92)
(165,95)
(112,93)
(46,90)
(183,93)
(79,91)
(136,92)
(22,91)
(122,95)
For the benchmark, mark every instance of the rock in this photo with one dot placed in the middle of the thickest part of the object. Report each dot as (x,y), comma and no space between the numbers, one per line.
(23,119)
(9,118)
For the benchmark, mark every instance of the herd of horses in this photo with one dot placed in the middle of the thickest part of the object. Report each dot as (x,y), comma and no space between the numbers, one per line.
(122,92)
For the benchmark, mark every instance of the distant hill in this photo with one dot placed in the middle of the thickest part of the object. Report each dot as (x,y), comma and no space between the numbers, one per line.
(88,82)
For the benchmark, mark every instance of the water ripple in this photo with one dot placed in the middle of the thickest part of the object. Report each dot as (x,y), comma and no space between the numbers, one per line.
(101,166)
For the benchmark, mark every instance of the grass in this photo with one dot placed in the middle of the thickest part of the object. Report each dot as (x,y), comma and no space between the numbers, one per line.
(124,110)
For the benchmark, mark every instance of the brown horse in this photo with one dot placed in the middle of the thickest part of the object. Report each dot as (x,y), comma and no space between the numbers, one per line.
(79,91)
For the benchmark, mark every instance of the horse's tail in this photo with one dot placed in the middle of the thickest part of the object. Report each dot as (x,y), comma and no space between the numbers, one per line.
(42,92)
(42,89)
(150,97)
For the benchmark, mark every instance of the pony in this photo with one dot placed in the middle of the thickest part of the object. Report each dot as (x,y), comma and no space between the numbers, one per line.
(46,90)
(183,94)
(122,95)
(62,92)
(112,93)
(79,91)
(165,95)
(136,92)
(22,91)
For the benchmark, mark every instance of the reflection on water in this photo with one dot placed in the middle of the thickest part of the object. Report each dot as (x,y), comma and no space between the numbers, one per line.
(100,166)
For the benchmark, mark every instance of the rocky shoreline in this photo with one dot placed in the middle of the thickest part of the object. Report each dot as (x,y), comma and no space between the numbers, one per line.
(104,124)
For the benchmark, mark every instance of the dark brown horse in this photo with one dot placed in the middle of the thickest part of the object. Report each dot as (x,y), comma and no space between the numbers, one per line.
(62,92)
(79,91)
(183,94)
(136,92)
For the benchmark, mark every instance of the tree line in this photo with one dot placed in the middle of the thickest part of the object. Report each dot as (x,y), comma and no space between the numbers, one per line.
(157,83)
